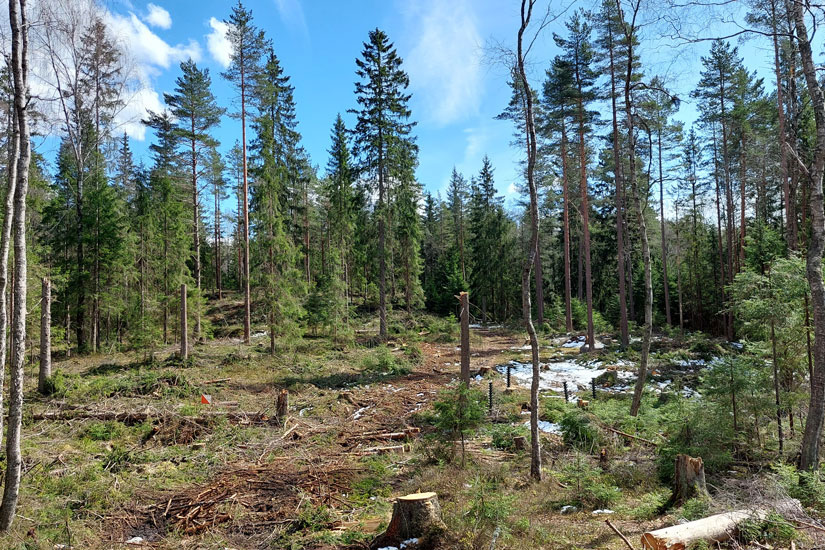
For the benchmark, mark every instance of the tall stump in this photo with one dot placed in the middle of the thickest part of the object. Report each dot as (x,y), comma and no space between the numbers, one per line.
(415,516)
(688,481)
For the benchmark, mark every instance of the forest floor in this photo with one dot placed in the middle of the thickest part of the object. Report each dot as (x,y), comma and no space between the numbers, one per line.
(125,455)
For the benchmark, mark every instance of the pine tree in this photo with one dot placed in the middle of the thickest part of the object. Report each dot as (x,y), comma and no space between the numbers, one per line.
(579,55)
(557,101)
(197,113)
(248,46)
(382,136)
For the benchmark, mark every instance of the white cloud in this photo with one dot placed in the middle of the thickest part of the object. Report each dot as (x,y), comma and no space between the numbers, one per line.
(138,103)
(158,17)
(218,43)
(292,14)
(511,190)
(145,46)
(445,61)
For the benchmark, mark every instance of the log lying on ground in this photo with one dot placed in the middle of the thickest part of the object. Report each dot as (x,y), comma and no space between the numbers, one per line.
(415,516)
(713,528)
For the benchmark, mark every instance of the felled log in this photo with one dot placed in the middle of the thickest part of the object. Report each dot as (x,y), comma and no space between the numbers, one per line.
(395,436)
(713,528)
(383,450)
(415,516)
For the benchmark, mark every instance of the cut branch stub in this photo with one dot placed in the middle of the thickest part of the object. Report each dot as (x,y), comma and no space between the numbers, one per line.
(415,516)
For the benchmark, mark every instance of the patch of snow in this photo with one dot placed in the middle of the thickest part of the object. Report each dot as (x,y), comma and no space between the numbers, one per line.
(135,540)
(359,413)
(568,509)
(689,363)
(388,548)
(737,345)
(603,512)
(477,378)
(547,427)
(408,542)
(553,375)
(575,343)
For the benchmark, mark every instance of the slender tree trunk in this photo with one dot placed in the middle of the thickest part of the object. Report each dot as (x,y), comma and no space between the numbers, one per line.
(679,270)
(809,459)
(648,326)
(719,226)
(539,281)
(11,489)
(665,280)
(617,171)
(535,448)
(45,373)
(742,193)
(184,324)
(568,311)
(247,319)
(218,282)
(196,235)
(585,208)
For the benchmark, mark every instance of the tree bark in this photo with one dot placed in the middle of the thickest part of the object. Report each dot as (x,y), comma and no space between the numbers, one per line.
(184,325)
(665,282)
(464,298)
(415,516)
(45,374)
(568,310)
(809,459)
(535,446)
(629,31)
(718,528)
(11,489)
(247,319)
(617,171)
(585,210)
(689,480)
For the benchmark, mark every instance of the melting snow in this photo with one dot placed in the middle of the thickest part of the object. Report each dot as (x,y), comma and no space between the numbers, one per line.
(547,427)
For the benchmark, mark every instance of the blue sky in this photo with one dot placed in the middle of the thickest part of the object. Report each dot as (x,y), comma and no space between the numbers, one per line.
(457,89)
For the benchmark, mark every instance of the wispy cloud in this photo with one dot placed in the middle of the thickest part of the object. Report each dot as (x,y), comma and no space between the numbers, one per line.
(158,17)
(218,43)
(445,61)
(292,14)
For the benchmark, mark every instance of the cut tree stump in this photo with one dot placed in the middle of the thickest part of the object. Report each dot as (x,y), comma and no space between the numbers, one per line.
(415,516)
(689,480)
(713,528)
(282,406)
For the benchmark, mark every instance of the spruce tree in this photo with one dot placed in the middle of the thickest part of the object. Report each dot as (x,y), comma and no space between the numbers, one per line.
(382,136)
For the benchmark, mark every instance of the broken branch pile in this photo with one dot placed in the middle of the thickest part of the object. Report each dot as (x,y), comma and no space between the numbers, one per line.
(256,498)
